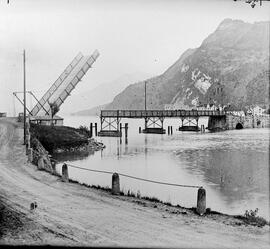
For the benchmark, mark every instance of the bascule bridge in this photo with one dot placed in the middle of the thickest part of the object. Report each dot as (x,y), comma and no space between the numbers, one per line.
(61,89)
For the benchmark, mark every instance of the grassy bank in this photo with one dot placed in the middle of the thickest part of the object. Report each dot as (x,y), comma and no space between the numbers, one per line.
(57,137)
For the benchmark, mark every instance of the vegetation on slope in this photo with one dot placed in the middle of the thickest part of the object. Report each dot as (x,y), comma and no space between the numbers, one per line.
(55,137)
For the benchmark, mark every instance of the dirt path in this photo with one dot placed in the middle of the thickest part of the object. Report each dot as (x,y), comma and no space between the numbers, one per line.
(71,214)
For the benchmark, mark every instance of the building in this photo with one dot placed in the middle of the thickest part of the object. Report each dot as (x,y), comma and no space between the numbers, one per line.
(46,120)
(208,107)
(238,113)
(256,111)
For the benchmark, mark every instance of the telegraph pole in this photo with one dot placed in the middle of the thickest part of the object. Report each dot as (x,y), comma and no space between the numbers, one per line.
(145,120)
(24,100)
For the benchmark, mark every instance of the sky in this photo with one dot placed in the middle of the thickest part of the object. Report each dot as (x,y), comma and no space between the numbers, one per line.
(132,36)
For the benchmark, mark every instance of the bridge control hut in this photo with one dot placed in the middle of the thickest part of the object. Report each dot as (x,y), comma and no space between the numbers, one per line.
(47,120)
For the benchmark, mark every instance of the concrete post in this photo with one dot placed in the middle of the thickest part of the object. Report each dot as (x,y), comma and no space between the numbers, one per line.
(96,129)
(40,163)
(65,173)
(115,184)
(201,201)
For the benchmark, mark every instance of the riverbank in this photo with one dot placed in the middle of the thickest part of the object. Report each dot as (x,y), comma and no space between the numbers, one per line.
(62,139)
(72,214)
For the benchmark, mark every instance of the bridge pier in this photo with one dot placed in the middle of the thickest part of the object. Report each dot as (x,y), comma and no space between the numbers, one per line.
(153,125)
(189,124)
(109,127)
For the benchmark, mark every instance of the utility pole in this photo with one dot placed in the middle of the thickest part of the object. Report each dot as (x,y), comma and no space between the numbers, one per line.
(145,95)
(145,120)
(24,101)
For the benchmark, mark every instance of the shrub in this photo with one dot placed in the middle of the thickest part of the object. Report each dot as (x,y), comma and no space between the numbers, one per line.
(251,217)
(84,130)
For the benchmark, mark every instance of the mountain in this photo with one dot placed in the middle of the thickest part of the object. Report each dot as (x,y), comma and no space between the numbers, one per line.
(230,67)
(100,95)
(95,111)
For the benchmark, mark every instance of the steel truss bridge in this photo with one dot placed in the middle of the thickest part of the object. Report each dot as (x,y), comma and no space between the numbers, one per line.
(110,119)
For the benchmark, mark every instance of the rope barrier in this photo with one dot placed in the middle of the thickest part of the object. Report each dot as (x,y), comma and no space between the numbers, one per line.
(163,183)
(128,176)
(93,170)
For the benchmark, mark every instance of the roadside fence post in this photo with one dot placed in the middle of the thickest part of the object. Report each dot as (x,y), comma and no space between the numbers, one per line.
(65,173)
(201,201)
(115,184)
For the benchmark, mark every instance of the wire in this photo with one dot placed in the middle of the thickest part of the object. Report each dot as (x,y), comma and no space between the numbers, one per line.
(128,176)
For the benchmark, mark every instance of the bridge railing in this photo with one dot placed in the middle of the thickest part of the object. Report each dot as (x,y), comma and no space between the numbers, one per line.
(159,113)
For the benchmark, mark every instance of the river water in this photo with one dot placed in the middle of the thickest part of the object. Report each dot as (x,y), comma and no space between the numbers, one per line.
(233,166)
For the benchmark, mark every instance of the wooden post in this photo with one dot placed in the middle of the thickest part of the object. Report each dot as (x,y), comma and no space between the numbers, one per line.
(201,201)
(65,173)
(91,130)
(140,129)
(168,130)
(115,184)
(126,133)
(120,129)
(126,130)
(171,130)
(96,129)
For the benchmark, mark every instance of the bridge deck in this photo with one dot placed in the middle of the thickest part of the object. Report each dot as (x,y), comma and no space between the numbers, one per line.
(159,113)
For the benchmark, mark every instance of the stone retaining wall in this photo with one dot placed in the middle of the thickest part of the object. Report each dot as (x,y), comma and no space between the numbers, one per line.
(246,122)
(37,154)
